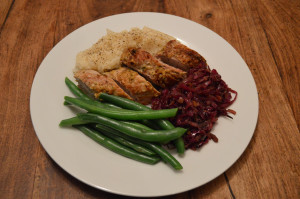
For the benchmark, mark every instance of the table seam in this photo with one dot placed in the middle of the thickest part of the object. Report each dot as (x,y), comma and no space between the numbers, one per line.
(4,22)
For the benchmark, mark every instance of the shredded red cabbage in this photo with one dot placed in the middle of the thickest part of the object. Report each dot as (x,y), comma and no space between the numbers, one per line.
(200,98)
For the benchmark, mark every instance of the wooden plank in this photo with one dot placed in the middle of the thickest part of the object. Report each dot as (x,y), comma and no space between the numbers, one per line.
(270,166)
(4,11)
(21,50)
(218,188)
(281,23)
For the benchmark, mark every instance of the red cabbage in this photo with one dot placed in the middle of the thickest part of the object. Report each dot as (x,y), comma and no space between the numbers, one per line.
(200,98)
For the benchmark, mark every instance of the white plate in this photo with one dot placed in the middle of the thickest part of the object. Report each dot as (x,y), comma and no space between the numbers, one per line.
(96,166)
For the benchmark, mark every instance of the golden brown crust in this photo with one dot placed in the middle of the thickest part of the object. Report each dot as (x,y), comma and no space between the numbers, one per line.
(138,87)
(180,56)
(98,83)
(151,68)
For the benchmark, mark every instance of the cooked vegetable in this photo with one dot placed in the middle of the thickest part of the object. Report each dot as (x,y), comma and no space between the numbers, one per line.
(153,136)
(140,132)
(100,104)
(125,142)
(164,154)
(201,98)
(132,105)
(121,114)
(165,124)
(116,147)
(71,121)
(150,123)
(75,90)
(137,125)
(124,103)
(111,105)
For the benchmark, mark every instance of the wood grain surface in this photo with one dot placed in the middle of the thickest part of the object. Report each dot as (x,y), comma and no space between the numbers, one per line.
(266,33)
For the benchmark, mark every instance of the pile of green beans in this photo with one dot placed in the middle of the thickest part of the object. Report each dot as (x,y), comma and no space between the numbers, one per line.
(116,147)
(125,127)
(132,105)
(160,136)
(164,154)
(120,114)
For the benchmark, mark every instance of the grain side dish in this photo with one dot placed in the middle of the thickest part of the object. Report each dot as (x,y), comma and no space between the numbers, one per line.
(105,54)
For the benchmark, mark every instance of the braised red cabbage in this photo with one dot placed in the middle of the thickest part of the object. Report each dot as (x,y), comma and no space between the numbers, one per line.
(200,98)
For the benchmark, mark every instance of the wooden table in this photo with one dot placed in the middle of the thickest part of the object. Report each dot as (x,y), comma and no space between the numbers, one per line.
(264,32)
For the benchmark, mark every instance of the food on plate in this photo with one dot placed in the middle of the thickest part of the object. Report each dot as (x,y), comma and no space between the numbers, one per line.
(124,141)
(150,66)
(75,90)
(158,136)
(156,148)
(200,98)
(132,105)
(93,83)
(120,114)
(178,55)
(134,84)
(123,72)
(105,54)
(116,147)
(104,124)
(159,73)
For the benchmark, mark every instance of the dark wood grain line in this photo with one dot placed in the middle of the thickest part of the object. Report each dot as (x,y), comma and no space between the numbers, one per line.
(35,173)
(229,187)
(162,4)
(7,14)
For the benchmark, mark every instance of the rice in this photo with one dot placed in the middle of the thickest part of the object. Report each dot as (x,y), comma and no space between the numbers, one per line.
(105,54)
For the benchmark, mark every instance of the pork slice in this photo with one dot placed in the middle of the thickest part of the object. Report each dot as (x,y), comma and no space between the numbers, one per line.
(137,86)
(154,70)
(93,83)
(180,56)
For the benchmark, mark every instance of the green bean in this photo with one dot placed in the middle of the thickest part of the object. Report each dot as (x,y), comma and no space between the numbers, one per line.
(150,124)
(76,121)
(116,147)
(165,124)
(179,143)
(75,90)
(147,123)
(163,153)
(123,102)
(121,114)
(137,125)
(132,105)
(141,149)
(71,121)
(154,136)
(128,104)
(101,105)
(111,105)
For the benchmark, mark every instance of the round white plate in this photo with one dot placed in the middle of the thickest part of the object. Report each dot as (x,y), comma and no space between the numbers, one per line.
(96,166)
